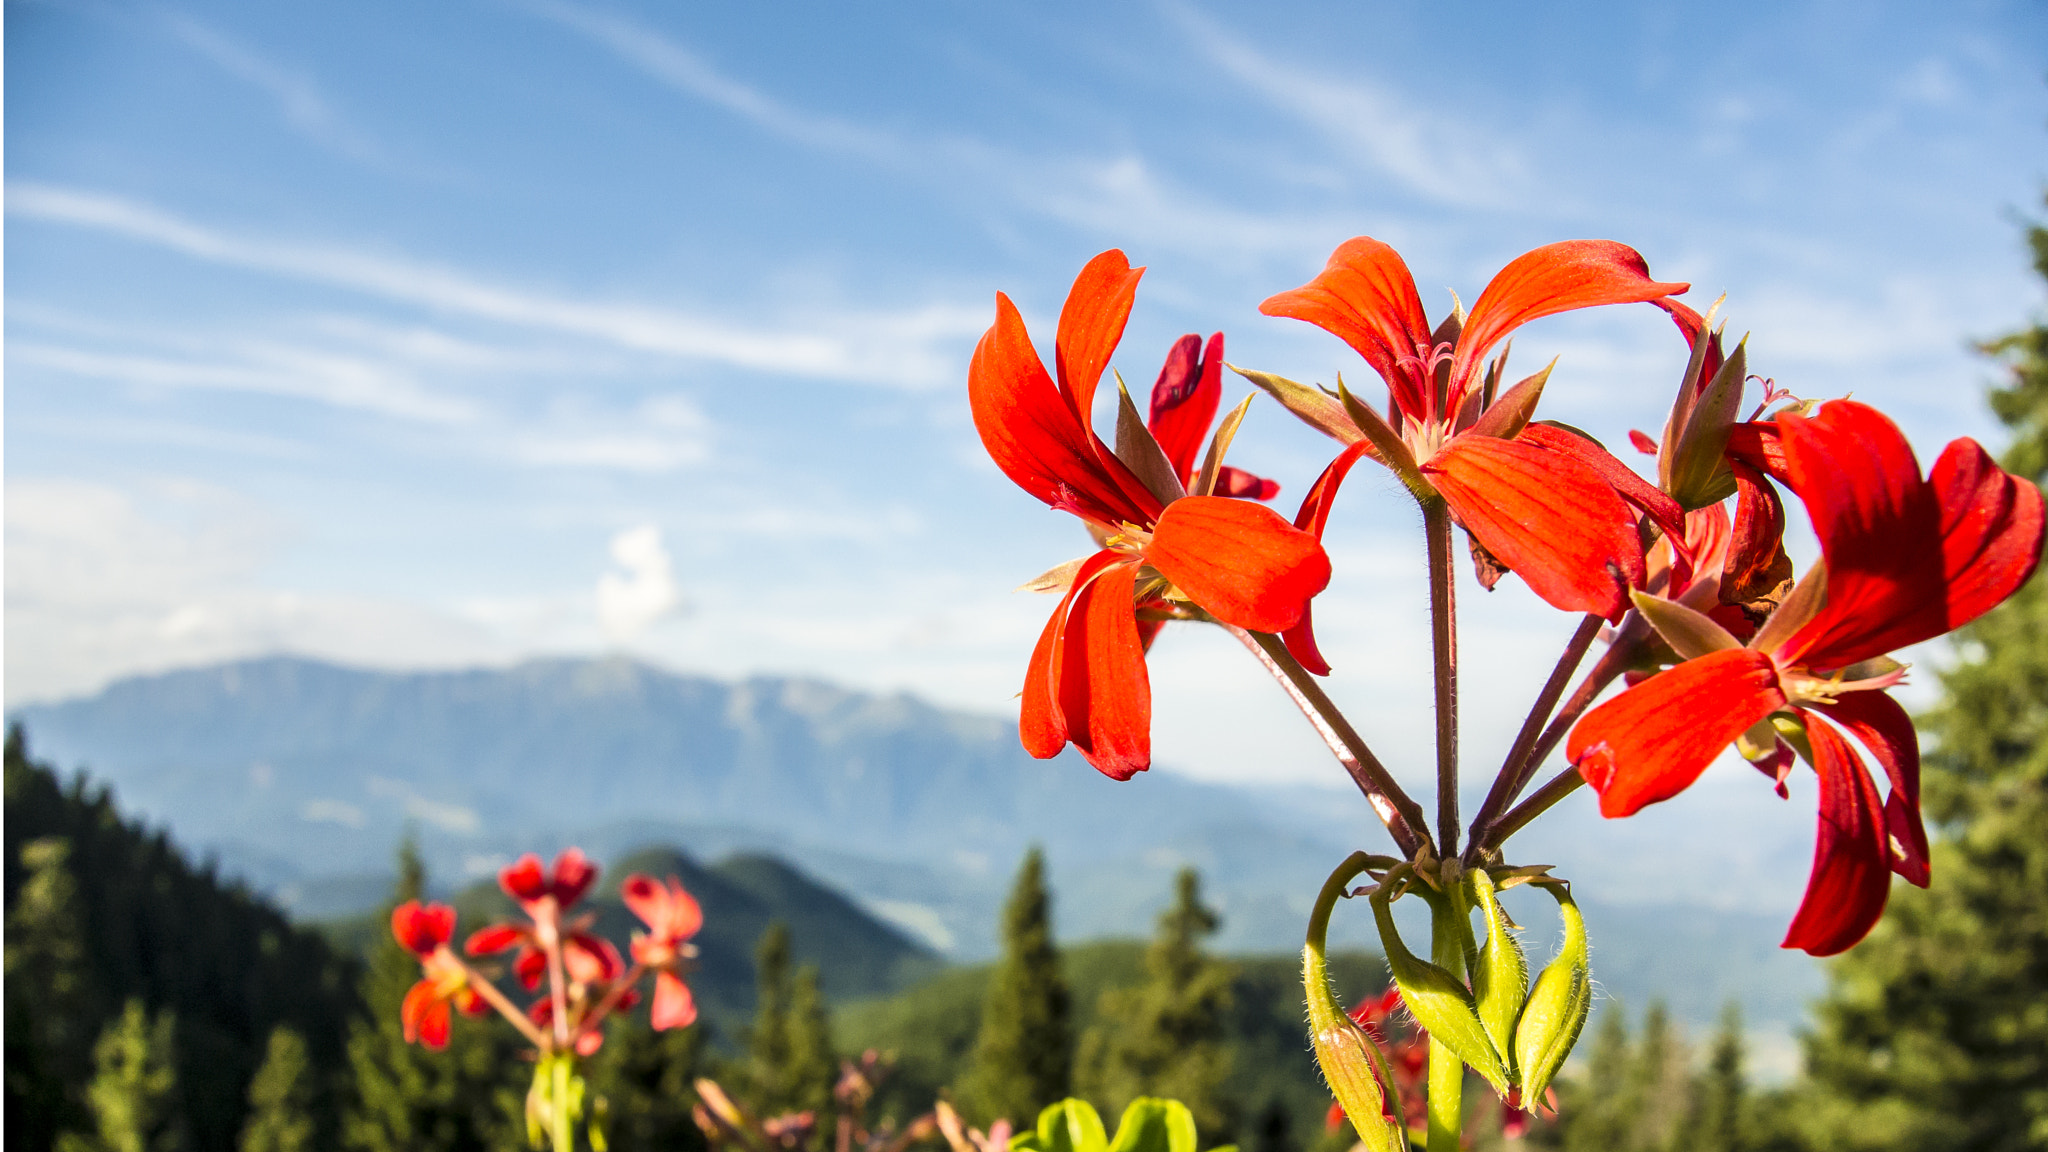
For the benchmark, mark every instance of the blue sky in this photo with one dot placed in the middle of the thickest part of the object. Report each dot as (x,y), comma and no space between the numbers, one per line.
(432,334)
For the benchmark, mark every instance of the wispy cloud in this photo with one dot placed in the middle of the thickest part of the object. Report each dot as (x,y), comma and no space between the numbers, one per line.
(683,69)
(1437,157)
(299,100)
(864,347)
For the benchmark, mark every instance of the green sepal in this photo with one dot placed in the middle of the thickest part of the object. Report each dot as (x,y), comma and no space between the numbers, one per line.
(1556,1009)
(1439,1001)
(1069,1126)
(1500,980)
(1311,407)
(1152,1124)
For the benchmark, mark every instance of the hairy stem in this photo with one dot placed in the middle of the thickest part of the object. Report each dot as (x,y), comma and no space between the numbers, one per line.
(1512,775)
(1611,664)
(1403,817)
(1443,620)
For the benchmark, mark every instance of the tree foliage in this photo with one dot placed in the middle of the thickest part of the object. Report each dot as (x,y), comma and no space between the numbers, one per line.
(281,1098)
(133,1096)
(102,910)
(1168,1035)
(1023,1054)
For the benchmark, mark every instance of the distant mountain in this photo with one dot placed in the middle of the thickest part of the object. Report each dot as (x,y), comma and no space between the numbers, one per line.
(300,776)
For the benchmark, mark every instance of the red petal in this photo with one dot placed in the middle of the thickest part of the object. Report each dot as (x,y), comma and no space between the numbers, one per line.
(1651,742)
(1757,537)
(496,938)
(1033,434)
(1365,296)
(1184,401)
(1880,531)
(1105,695)
(685,915)
(1851,879)
(574,874)
(1239,561)
(1547,516)
(1623,479)
(1642,442)
(1041,726)
(1242,485)
(1703,548)
(1091,323)
(1884,728)
(590,959)
(423,1017)
(421,929)
(523,880)
(1313,518)
(646,899)
(1759,445)
(674,1007)
(530,965)
(1991,527)
(1554,278)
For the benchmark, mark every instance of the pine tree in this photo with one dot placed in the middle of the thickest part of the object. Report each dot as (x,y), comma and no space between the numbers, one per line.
(1934,1031)
(640,1084)
(813,1061)
(1167,1036)
(1717,1120)
(465,1098)
(281,1098)
(771,1089)
(51,1008)
(134,1091)
(1023,1056)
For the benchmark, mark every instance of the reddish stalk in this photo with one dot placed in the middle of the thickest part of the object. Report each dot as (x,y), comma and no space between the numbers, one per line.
(1443,620)
(1512,777)
(1404,818)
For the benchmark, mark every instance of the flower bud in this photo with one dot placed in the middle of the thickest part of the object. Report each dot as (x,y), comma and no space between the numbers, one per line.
(1439,1000)
(1557,1006)
(1500,981)
(1351,1062)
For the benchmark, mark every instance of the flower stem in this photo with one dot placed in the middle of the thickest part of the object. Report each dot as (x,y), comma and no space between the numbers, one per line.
(1446,1071)
(505,1007)
(564,1135)
(1443,619)
(593,1019)
(1403,817)
(1512,775)
(1611,664)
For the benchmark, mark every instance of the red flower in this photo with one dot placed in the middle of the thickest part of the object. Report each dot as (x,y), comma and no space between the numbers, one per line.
(425,932)
(527,882)
(1235,560)
(586,958)
(1904,559)
(1544,502)
(672,917)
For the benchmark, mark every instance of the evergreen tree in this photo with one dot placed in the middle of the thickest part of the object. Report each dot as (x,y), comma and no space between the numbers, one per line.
(1167,1036)
(466,1098)
(1934,1031)
(1023,1056)
(640,1085)
(1717,1121)
(51,1014)
(134,1091)
(281,1098)
(771,1087)
(813,1061)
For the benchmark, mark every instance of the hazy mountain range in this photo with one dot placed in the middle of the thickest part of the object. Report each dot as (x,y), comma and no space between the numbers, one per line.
(300,776)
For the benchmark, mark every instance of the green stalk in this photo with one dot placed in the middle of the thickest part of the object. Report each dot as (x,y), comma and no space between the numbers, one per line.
(564,1135)
(1449,927)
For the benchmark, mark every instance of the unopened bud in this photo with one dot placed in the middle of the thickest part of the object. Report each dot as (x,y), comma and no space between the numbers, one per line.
(1352,1064)
(1500,981)
(1557,1005)
(1694,472)
(1439,1000)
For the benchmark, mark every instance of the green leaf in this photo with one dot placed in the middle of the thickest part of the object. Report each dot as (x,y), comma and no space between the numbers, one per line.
(1154,1125)
(1071,1126)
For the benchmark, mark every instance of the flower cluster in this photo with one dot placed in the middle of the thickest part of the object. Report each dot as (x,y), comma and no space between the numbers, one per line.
(1685,575)
(586,979)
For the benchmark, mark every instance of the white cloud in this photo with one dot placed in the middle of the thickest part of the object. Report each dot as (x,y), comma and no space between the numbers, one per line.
(917,347)
(1435,156)
(684,70)
(103,582)
(631,600)
(298,99)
